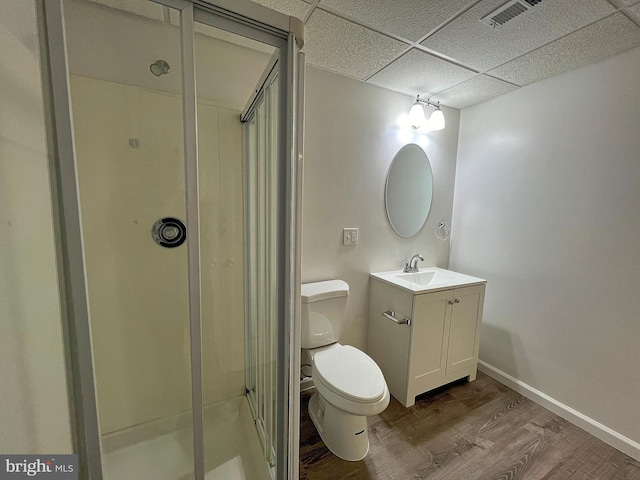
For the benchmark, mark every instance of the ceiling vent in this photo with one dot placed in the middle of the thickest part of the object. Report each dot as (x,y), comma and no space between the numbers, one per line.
(508,11)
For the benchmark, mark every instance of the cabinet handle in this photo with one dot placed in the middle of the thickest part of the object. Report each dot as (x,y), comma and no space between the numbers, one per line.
(457,300)
(391,315)
(450,302)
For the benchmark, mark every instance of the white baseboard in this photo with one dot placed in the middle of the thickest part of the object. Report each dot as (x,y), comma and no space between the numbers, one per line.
(604,433)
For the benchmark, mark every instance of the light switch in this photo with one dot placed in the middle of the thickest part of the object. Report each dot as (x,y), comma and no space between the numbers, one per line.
(350,236)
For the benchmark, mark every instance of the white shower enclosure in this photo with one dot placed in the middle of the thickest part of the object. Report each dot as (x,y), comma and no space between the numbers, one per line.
(178,233)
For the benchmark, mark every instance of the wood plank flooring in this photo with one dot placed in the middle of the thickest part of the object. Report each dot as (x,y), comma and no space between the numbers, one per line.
(468,431)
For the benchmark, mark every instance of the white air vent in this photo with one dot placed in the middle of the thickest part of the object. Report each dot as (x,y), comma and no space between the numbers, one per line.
(508,11)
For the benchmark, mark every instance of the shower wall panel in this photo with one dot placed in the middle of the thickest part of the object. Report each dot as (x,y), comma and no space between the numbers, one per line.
(221,250)
(131,173)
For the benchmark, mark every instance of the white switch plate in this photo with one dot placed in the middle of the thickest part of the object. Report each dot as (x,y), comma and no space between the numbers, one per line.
(350,236)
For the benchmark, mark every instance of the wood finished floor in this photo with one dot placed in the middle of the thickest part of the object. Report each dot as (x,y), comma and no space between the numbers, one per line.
(468,431)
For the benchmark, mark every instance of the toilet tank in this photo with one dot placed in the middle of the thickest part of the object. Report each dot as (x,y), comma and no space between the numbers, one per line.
(323,309)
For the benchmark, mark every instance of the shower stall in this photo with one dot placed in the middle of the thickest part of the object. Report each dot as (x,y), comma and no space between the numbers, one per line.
(176,126)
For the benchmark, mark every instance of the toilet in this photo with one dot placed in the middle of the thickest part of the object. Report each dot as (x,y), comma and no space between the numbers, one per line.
(349,384)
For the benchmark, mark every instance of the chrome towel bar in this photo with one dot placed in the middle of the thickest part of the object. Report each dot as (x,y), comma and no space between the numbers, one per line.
(391,315)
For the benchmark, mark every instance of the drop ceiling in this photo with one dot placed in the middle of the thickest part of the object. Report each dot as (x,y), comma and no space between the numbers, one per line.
(443,50)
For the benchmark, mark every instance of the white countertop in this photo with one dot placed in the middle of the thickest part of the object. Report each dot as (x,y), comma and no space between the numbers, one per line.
(429,279)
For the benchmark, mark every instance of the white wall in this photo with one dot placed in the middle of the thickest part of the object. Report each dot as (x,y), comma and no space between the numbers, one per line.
(546,208)
(351,138)
(34,413)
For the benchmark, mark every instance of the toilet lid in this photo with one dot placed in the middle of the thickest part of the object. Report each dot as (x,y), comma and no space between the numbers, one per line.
(350,373)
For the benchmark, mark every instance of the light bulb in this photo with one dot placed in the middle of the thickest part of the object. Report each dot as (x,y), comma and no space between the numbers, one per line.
(416,115)
(436,120)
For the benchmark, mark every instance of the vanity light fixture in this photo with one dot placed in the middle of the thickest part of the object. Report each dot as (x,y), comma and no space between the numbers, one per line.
(417,117)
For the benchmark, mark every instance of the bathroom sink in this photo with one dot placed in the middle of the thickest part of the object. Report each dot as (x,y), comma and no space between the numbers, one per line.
(427,279)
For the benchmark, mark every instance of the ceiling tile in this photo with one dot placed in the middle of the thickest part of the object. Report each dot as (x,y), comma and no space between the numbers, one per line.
(634,13)
(591,44)
(347,48)
(475,90)
(624,3)
(419,73)
(293,8)
(410,19)
(476,44)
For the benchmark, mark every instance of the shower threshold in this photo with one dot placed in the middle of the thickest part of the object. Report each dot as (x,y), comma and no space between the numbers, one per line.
(231,444)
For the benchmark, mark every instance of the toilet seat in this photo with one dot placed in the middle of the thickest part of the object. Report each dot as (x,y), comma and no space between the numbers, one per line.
(349,373)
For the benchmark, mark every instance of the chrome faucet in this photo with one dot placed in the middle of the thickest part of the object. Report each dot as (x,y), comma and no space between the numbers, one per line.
(412,265)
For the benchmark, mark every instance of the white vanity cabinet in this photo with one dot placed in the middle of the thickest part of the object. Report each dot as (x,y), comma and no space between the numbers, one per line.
(439,345)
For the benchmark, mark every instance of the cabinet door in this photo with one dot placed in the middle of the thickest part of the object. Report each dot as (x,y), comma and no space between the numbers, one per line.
(464,328)
(428,346)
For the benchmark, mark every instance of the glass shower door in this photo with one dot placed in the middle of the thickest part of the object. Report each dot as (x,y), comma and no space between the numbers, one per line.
(232,445)
(187,273)
(261,137)
(127,112)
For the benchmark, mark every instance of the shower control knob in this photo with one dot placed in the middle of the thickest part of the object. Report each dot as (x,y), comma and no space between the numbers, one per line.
(169,232)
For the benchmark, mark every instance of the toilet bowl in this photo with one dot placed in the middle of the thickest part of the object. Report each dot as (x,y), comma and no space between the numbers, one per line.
(349,384)
(349,388)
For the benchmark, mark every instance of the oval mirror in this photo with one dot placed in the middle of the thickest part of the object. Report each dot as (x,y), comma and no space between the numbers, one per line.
(409,190)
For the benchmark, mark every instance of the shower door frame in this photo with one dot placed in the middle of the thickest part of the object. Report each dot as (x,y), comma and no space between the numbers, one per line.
(236,16)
